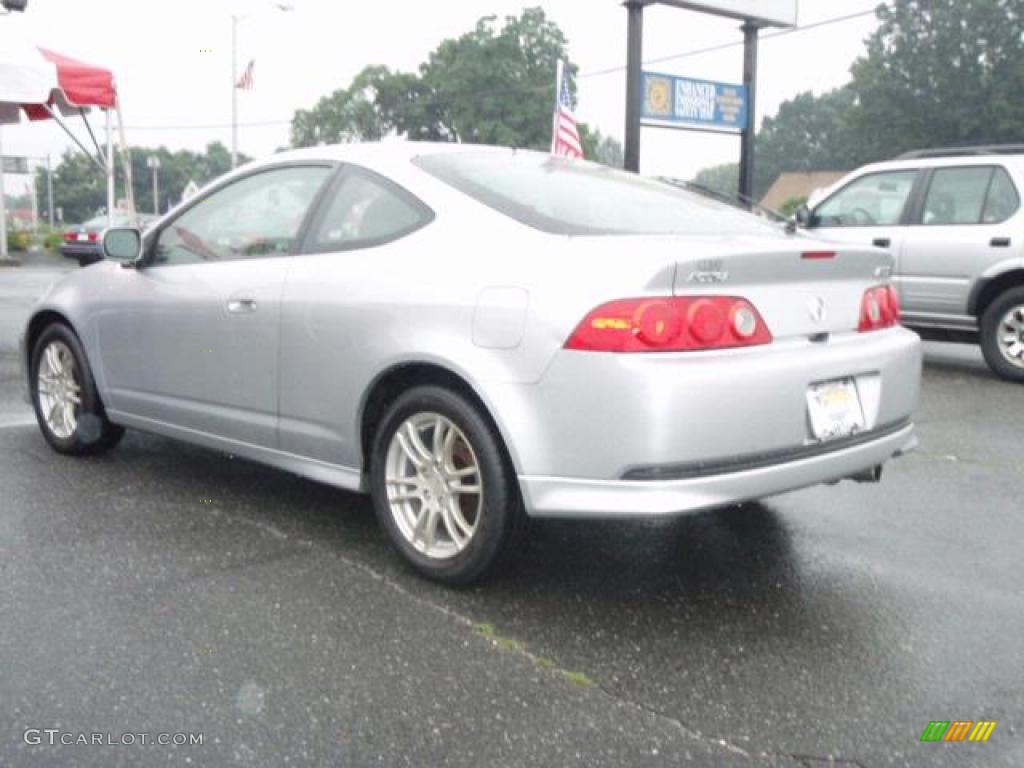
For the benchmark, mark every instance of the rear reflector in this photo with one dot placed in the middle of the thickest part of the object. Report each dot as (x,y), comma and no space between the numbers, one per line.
(670,325)
(880,308)
(817,255)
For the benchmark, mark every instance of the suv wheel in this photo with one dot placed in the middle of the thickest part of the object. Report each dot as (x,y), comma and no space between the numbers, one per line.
(1002,334)
(442,489)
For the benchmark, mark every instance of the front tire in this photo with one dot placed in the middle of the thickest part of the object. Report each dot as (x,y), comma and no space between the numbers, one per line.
(1002,335)
(64,396)
(442,488)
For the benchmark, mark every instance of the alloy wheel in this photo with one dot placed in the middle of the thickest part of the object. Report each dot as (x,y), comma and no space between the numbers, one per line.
(1011,336)
(58,390)
(434,485)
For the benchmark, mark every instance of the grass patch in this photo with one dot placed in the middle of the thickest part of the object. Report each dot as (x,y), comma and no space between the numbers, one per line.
(577,678)
(487,630)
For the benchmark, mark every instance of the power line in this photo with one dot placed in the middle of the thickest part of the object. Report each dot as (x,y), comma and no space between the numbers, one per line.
(735,43)
(529,89)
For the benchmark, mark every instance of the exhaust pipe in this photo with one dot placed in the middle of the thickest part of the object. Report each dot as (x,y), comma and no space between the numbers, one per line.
(872,475)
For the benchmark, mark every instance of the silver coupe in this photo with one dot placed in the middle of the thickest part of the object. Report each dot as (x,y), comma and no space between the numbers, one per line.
(476,336)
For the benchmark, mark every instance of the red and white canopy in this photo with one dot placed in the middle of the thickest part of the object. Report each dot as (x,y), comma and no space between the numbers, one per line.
(31,77)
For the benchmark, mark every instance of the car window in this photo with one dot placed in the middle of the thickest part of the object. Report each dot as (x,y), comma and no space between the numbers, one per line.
(364,210)
(876,200)
(256,216)
(572,197)
(1003,200)
(956,196)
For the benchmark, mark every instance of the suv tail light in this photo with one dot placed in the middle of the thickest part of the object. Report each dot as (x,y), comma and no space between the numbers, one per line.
(880,308)
(670,325)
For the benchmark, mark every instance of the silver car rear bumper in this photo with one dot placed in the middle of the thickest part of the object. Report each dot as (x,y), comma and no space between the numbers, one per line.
(574,497)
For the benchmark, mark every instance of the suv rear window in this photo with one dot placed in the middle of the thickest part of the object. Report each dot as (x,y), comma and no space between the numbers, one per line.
(571,197)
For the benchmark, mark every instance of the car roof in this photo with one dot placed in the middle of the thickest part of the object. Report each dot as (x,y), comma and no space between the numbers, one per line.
(943,162)
(386,151)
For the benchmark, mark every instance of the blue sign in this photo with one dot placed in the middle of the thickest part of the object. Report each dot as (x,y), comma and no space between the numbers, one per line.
(682,101)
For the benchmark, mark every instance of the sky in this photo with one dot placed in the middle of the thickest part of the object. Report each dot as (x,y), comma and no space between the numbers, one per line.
(172,62)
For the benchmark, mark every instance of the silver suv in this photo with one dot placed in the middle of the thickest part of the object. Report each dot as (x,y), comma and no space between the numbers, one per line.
(952,219)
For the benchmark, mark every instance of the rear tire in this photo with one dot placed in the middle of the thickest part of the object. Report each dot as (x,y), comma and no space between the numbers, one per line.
(1002,335)
(67,405)
(442,488)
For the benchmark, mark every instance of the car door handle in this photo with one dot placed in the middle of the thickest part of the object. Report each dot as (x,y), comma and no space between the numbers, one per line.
(1000,242)
(881,242)
(238,306)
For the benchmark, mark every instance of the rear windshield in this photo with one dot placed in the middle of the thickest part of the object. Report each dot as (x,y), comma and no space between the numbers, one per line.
(570,197)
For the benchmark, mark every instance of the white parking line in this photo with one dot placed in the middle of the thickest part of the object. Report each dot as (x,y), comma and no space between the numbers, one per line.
(17,423)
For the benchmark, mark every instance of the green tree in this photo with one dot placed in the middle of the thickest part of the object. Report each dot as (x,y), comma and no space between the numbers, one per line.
(809,133)
(600,148)
(724,179)
(492,85)
(79,187)
(940,72)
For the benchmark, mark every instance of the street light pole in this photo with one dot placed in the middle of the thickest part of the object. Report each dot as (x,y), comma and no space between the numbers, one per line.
(3,209)
(49,188)
(234,90)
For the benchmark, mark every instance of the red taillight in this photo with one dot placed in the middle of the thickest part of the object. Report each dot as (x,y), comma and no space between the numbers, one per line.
(880,308)
(670,325)
(94,236)
(69,237)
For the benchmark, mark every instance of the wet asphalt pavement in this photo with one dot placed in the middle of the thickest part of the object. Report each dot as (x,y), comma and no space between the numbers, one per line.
(168,589)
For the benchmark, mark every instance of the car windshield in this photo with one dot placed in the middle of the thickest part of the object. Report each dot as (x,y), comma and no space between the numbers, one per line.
(571,197)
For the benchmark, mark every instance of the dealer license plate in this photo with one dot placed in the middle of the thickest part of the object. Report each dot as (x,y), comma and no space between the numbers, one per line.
(835,410)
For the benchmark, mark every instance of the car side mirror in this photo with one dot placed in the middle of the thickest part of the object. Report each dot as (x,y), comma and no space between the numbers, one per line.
(123,244)
(803,216)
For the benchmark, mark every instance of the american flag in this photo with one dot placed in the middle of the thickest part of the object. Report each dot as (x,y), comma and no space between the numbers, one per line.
(565,140)
(245,82)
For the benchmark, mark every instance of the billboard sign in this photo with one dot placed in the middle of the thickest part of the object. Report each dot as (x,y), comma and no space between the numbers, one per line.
(768,13)
(670,100)
(15,164)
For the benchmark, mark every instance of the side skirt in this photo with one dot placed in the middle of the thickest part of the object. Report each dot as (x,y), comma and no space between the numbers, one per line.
(332,474)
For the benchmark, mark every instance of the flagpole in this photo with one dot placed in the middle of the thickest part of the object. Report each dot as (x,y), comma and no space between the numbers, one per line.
(559,72)
(234,91)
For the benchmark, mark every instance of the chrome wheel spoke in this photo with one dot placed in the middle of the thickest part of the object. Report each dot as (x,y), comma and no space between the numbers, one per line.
(426,527)
(409,452)
(458,488)
(460,537)
(459,520)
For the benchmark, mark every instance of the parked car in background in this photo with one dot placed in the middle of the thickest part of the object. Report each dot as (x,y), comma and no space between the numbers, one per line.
(477,335)
(953,221)
(85,241)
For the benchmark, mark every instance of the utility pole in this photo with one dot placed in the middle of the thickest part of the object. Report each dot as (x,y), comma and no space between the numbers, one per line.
(3,207)
(234,91)
(153,162)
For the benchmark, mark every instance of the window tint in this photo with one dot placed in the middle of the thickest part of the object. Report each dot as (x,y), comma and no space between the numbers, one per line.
(876,200)
(366,211)
(257,216)
(568,197)
(1003,200)
(956,196)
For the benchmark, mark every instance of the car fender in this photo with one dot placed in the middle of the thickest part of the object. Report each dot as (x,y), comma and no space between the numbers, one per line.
(993,272)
